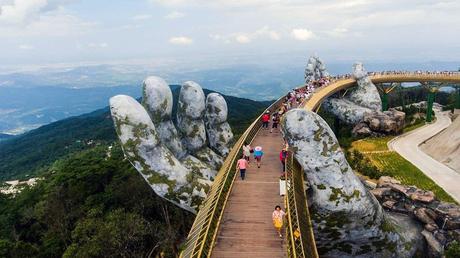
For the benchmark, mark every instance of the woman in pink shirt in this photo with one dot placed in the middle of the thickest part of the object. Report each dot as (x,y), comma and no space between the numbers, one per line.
(242,164)
(277,217)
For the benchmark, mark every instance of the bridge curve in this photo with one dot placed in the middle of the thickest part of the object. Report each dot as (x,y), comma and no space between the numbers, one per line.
(322,93)
(299,241)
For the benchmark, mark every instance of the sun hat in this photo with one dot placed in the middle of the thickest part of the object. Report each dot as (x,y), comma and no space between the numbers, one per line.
(258,148)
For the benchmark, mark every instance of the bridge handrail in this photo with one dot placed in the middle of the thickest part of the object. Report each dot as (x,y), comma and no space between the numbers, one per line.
(202,236)
(299,230)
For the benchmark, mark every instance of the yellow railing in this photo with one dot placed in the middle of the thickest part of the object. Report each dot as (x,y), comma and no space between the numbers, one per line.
(299,231)
(301,243)
(322,93)
(202,236)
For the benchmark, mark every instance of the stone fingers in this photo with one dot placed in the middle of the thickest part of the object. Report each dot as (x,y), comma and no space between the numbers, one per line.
(218,130)
(158,101)
(190,122)
(143,148)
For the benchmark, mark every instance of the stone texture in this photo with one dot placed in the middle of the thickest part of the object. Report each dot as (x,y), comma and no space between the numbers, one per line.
(435,248)
(177,164)
(385,181)
(362,107)
(190,115)
(365,94)
(315,69)
(158,101)
(344,213)
(440,220)
(219,132)
(387,122)
(346,110)
(142,146)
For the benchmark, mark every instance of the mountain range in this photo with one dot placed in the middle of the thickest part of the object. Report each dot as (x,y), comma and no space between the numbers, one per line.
(24,155)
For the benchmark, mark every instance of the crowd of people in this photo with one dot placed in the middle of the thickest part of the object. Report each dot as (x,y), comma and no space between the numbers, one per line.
(418,72)
(271,121)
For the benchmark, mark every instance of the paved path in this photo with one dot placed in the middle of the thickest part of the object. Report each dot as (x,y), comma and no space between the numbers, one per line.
(407,145)
(247,229)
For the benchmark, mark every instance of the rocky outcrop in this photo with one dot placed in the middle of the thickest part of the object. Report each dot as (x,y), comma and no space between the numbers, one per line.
(315,70)
(177,164)
(387,122)
(347,219)
(441,220)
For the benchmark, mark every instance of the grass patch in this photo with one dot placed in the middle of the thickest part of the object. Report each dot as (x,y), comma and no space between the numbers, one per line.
(371,144)
(413,127)
(392,164)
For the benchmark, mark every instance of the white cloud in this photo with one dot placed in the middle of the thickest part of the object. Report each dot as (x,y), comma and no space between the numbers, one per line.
(26,47)
(141,17)
(180,40)
(19,11)
(302,34)
(266,31)
(242,38)
(25,18)
(98,45)
(174,15)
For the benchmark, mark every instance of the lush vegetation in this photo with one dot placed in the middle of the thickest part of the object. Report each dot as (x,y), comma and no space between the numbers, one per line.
(407,95)
(23,156)
(90,201)
(372,158)
(5,136)
(453,250)
(91,204)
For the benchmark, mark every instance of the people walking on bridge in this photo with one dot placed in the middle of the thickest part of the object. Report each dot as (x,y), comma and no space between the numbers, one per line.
(278,217)
(247,151)
(283,157)
(258,153)
(242,165)
(275,121)
(265,119)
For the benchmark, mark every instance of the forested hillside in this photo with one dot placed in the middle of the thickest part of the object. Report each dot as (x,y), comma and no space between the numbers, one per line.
(22,156)
(90,201)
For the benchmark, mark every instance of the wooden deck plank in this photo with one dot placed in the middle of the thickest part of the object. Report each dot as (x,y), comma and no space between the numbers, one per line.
(246,229)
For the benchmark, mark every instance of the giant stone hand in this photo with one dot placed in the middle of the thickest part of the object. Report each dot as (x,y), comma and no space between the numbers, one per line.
(179,164)
(362,100)
(346,216)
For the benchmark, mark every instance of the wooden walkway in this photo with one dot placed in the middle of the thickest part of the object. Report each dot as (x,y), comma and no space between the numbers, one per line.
(246,229)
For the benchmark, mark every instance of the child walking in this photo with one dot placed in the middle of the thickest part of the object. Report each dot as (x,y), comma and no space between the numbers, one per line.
(277,217)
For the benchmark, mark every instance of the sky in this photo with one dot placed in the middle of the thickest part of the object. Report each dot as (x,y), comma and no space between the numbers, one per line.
(38,32)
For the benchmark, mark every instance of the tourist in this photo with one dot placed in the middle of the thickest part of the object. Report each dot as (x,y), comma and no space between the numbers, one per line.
(258,153)
(265,119)
(275,121)
(242,165)
(277,217)
(246,151)
(283,157)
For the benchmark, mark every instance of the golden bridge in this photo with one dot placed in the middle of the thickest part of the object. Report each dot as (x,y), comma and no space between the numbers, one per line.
(235,218)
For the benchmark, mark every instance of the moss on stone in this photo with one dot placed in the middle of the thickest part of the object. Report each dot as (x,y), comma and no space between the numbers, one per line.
(337,194)
(321,187)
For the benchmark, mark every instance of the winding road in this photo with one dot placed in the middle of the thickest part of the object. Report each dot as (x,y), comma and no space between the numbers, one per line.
(407,145)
